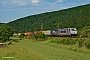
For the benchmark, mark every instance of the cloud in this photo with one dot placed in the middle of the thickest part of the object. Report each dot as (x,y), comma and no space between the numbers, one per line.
(16,2)
(19,2)
(31,2)
(35,1)
(54,2)
(59,0)
(4,2)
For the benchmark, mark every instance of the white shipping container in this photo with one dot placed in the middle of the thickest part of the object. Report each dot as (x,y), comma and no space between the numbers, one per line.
(48,32)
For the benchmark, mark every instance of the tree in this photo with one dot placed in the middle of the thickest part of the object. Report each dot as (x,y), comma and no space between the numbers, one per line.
(85,32)
(5,33)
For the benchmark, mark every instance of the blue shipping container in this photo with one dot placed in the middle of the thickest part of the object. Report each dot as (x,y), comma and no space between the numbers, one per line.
(54,32)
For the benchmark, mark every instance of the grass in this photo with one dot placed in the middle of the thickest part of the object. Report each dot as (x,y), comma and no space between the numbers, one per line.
(18,53)
(27,49)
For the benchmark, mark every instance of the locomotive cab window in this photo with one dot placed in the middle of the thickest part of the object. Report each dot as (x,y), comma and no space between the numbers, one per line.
(69,29)
(73,29)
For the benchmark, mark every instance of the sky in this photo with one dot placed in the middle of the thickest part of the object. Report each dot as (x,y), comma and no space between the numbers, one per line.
(11,10)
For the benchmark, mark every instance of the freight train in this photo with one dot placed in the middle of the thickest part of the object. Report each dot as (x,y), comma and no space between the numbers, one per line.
(55,32)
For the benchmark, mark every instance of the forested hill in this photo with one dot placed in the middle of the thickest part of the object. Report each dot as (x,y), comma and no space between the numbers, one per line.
(77,17)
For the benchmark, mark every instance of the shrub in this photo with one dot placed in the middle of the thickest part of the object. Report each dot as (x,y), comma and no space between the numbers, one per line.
(22,35)
(9,43)
(40,36)
(85,32)
(87,43)
(80,42)
(67,41)
(55,41)
(72,42)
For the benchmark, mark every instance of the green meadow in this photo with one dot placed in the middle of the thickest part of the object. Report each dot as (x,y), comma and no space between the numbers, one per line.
(27,49)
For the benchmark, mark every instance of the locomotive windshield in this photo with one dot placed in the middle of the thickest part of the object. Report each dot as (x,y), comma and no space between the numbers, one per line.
(73,29)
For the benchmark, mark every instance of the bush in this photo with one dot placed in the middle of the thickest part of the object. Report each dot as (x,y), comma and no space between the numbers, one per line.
(87,43)
(67,41)
(40,36)
(55,41)
(80,42)
(22,35)
(85,32)
(9,43)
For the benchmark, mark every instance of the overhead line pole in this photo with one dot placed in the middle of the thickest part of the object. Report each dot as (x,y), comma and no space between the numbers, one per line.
(58,25)
(41,27)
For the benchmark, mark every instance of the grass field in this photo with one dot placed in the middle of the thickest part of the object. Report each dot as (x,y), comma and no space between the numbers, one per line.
(27,49)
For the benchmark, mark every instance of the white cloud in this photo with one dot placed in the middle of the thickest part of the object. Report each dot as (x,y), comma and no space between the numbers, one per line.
(19,2)
(16,2)
(4,2)
(35,1)
(59,0)
(54,2)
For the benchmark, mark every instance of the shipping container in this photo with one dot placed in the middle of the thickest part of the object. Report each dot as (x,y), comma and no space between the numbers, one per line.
(15,34)
(44,32)
(48,32)
(32,33)
(19,34)
(29,33)
(54,32)
(36,32)
(25,33)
